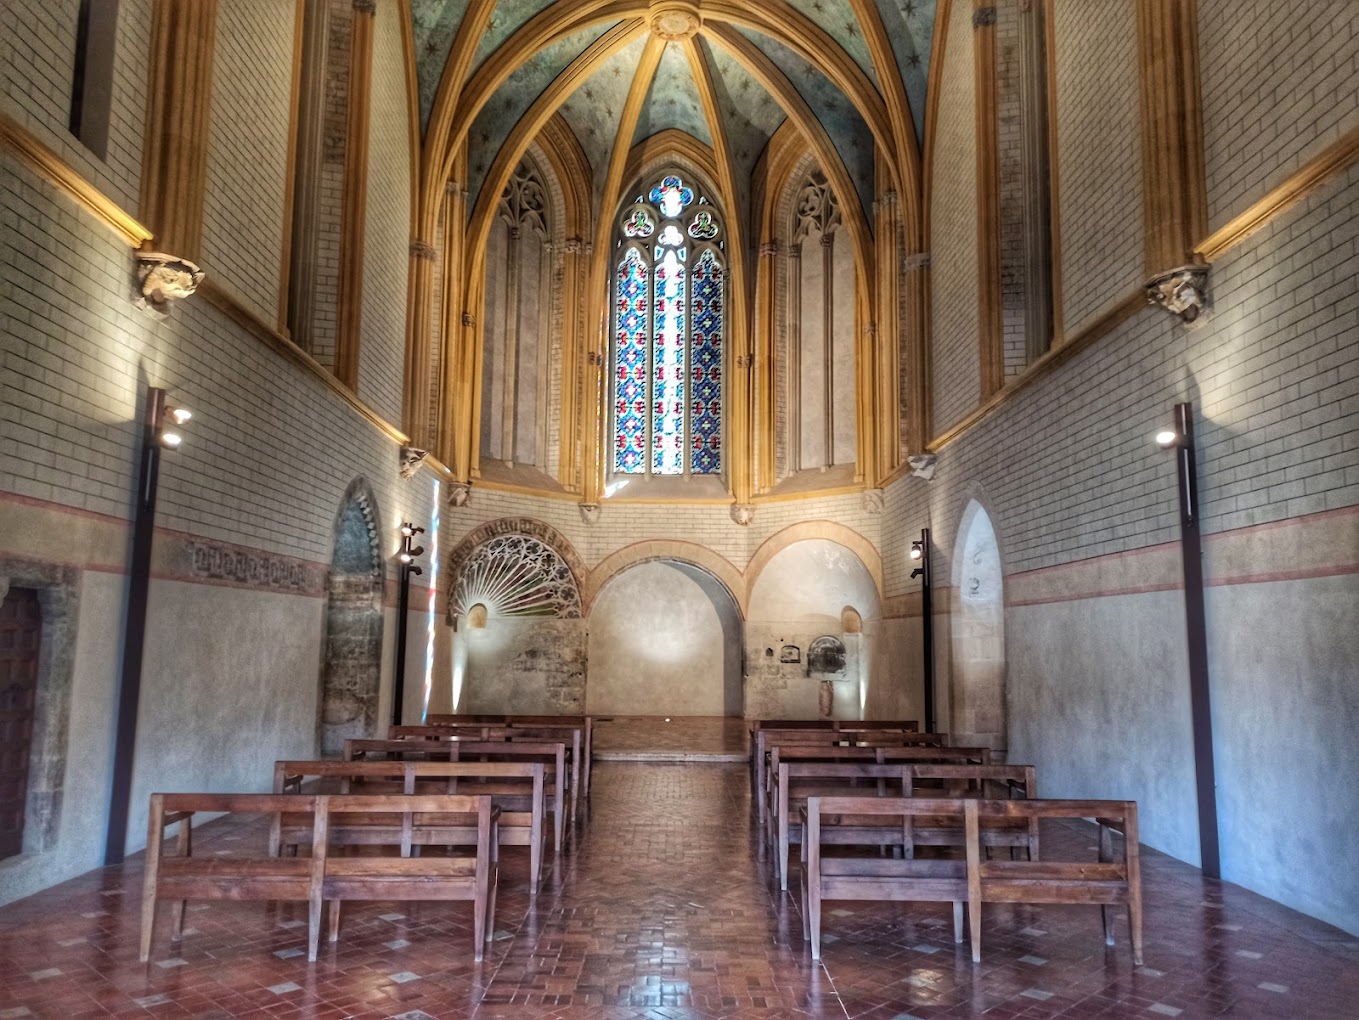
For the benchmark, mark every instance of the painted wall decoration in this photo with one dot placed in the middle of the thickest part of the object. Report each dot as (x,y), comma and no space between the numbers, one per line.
(832,108)
(435,25)
(837,19)
(751,116)
(672,100)
(910,27)
(593,110)
(506,19)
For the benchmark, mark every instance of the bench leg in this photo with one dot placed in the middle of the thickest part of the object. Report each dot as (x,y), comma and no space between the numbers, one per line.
(313,925)
(782,854)
(814,917)
(148,923)
(177,922)
(957,921)
(333,908)
(1135,925)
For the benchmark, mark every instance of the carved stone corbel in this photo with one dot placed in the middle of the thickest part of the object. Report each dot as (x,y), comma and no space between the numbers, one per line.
(875,501)
(459,493)
(411,458)
(743,513)
(589,512)
(163,279)
(1181,291)
(922,465)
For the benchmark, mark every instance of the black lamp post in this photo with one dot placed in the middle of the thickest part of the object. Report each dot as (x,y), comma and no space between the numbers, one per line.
(159,433)
(406,566)
(1181,440)
(920,555)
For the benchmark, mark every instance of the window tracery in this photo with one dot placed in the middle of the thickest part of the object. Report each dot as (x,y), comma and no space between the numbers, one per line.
(669,320)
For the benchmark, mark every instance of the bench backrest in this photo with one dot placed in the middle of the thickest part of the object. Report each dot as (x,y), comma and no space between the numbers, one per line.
(291,773)
(978,781)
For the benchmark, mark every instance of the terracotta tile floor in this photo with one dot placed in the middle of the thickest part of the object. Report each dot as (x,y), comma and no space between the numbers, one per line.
(663,909)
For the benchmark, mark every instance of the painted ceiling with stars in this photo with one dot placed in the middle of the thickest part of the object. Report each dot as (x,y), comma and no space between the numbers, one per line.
(747,102)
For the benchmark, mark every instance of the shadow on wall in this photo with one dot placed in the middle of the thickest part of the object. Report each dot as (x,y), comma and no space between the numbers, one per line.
(977,679)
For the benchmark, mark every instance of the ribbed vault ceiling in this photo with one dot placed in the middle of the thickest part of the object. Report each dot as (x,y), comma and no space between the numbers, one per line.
(809,44)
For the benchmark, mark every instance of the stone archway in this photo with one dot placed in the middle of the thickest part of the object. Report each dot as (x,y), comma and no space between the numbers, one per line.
(977,680)
(665,638)
(352,669)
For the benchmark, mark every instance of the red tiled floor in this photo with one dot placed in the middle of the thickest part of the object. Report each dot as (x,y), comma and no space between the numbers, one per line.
(663,909)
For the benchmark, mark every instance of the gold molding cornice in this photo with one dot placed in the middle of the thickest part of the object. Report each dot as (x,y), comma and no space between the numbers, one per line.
(57,172)
(1302,182)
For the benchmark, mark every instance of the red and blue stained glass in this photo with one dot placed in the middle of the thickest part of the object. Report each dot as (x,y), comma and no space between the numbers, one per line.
(706,369)
(667,367)
(671,196)
(630,363)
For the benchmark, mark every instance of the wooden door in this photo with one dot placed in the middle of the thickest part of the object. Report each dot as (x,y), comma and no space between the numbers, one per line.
(20,638)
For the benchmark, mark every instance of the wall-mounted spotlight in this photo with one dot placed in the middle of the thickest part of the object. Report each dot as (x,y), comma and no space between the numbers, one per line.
(406,568)
(159,433)
(920,555)
(1167,438)
(917,553)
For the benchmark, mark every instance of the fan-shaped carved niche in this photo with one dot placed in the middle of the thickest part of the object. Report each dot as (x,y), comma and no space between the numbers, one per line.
(826,655)
(514,575)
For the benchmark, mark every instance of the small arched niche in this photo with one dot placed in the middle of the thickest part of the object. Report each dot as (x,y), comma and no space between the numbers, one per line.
(977,683)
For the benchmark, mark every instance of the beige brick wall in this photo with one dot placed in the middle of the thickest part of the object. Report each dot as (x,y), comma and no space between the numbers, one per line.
(953,225)
(1278,86)
(37,62)
(387,231)
(247,159)
(1099,155)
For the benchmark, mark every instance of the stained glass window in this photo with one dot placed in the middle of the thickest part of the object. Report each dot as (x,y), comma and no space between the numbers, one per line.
(668,319)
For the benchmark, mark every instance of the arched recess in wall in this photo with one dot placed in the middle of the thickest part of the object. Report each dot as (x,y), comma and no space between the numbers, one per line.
(810,589)
(521,384)
(665,638)
(351,672)
(815,347)
(977,680)
(515,605)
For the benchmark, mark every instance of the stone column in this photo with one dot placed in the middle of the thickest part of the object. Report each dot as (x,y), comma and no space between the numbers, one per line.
(988,200)
(353,213)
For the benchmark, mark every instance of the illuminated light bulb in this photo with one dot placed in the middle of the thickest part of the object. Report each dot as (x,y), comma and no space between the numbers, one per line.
(916,551)
(1166,438)
(171,440)
(180,414)
(406,530)
(405,557)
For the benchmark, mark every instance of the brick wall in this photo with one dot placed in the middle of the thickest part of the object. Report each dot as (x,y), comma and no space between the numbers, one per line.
(37,62)
(1099,156)
(1277,87)
(387,230)
(953,224)
(247,157)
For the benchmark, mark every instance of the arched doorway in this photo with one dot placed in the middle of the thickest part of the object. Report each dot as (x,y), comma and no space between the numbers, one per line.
(977,683)
(351,673)
(665,638)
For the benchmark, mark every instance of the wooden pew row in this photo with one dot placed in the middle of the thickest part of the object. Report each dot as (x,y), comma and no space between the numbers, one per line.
(553,755)
(1114,880)
(764,739)
(507,734)
(516,788)
(797,781)
(321,877)
(537,722)
(880,753)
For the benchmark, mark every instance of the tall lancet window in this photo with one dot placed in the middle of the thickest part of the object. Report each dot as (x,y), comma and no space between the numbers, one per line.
(669,319)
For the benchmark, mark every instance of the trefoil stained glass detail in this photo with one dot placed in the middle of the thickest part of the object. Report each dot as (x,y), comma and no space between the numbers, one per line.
(669,321)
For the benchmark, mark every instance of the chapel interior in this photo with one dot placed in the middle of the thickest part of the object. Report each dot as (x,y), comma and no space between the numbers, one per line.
(688,367)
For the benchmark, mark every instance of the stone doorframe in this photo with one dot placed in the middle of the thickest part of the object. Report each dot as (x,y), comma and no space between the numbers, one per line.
(58,590)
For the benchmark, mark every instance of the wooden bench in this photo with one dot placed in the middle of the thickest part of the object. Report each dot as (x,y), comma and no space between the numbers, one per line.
(796,782)
(879,753)
(508,734)
(765,730)
(516,788)
(1113,880)
(552,755)
(537,722)
(977,782)
(320,877)
(877,879)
